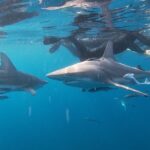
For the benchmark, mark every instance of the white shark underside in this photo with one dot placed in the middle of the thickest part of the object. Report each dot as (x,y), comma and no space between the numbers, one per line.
(103,72)
(86,83)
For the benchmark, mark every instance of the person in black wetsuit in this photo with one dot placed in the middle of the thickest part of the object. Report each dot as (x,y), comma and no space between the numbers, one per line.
(84,46)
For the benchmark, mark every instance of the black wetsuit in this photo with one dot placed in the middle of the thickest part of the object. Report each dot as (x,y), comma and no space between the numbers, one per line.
(119,46)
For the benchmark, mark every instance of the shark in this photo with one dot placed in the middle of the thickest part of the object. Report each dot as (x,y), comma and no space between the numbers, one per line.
(12,79)
(101,73)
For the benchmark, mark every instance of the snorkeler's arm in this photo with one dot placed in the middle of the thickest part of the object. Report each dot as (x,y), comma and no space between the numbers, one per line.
(107,15)
(78,3)
(66,5)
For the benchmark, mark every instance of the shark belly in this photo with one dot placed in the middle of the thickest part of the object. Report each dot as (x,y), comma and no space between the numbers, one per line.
(86,83)
(11,87)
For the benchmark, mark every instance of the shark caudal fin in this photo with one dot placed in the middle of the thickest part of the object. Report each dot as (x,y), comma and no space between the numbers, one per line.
(108,53)
(6,63)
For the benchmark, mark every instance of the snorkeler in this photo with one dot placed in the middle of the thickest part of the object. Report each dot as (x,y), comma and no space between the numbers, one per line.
(84,46)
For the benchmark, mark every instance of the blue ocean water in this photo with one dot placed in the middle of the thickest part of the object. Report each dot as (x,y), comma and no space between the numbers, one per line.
(61,117)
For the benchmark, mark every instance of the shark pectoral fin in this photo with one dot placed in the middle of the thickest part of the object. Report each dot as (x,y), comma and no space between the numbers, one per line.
(31,90)
(128,88)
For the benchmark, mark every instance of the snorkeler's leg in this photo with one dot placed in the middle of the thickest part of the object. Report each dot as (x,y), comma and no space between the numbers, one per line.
(136,48)
(54,47)
(51,40)
(143,39)
(54,41)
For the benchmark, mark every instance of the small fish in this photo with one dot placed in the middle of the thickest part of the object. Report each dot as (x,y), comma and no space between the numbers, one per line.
(92,120)
(123,104)
(116,98)
(133,95)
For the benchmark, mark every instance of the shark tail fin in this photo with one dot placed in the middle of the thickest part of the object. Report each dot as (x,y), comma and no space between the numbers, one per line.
(6,63)
(108,53)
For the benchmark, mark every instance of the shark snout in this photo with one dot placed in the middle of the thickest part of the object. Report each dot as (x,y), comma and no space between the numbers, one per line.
(61,74)
(43,82)
(74,71)
(57,74)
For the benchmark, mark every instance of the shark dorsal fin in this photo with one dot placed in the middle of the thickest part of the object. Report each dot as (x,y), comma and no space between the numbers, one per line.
(6,63)
(108,53)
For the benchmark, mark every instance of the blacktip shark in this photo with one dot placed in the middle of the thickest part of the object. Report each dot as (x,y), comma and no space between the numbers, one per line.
(102,72)
(13,80)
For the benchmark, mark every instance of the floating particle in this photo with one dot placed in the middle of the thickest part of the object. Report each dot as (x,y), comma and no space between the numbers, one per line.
(67,115)
(29,111)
